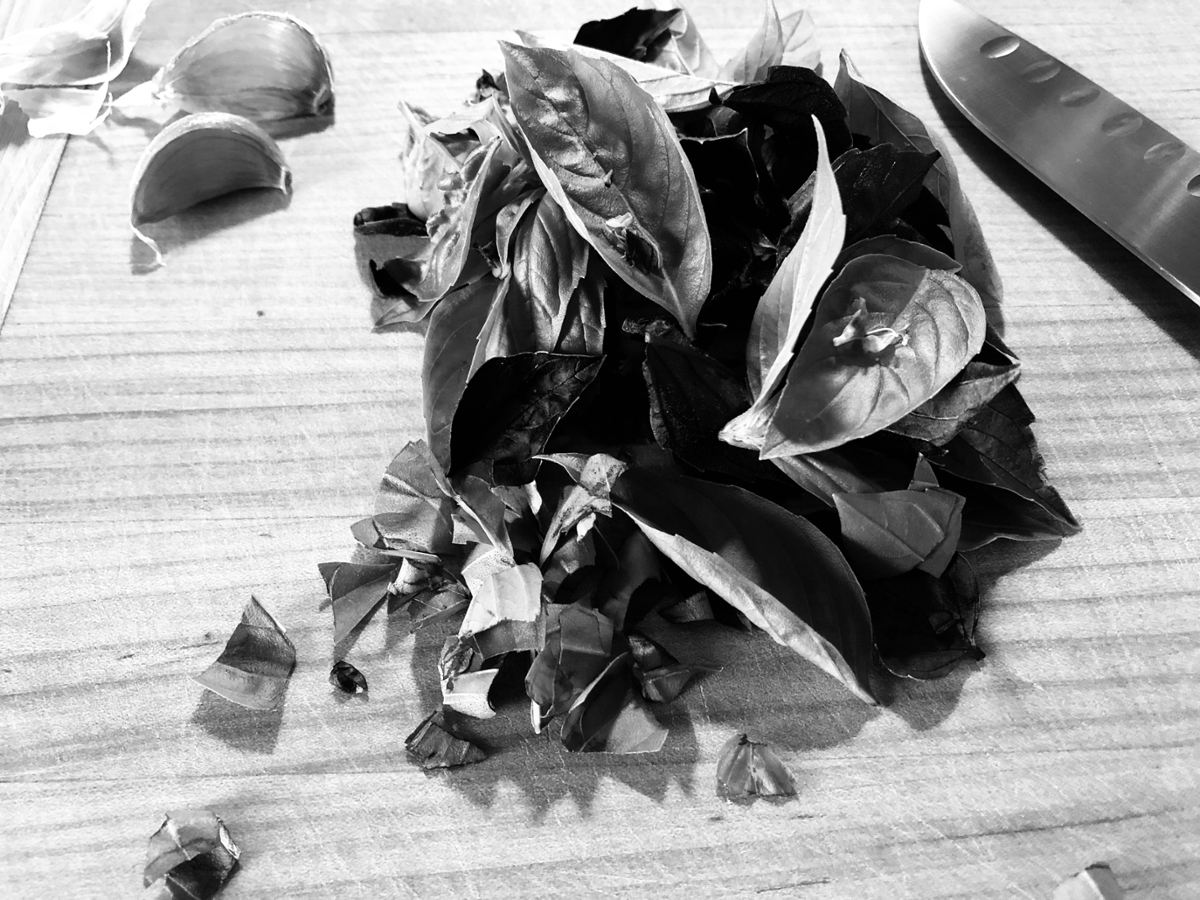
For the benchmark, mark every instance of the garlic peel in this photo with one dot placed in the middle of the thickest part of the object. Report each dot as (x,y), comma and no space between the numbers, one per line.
(201,157)
(265,66)
(59,74)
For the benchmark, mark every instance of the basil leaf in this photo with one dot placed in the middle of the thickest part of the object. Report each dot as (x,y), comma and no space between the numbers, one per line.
(609,156)
(789,298)
(875,185)
(510,408)
(925,626)
(450,344)
(635,33)
(894,532)
(258,659)
(776,568)
(787,101)
(873,114)
(946,413)
(997,447)
(441,268)
(549,260)
(800,40)
(687,50)
(691,396)
(891,245)
(857,467)
(887,335)
(787,304)
(763,51)
(424,162)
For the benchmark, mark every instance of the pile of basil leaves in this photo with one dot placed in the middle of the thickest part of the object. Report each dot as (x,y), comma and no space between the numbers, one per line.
(696,347)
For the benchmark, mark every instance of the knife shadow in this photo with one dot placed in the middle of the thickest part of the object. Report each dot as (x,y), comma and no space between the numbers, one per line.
(1174,314)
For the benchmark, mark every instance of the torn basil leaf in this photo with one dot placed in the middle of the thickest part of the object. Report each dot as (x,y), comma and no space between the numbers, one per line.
(609,716)
(1096,882)
(774,567)
(437,744)
(346,678)
(894,532)
(355,590)
(192,855)
(635,33)
(749,769)
(925,626)
(661,676)
(254,667)
(510,408)
(997,448)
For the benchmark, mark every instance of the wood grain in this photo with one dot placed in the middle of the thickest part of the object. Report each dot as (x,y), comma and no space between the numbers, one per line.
(28,164)
(174,442)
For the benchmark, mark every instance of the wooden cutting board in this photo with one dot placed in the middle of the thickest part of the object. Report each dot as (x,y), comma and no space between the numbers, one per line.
(174,442)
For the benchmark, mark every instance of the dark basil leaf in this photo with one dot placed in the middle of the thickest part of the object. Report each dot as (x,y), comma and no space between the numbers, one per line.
(725,167)
(691,397)
(578,647)
(194,852)
(635,33)
(947,412)
(893,532)
(870,112)
(997,447)
(776,568)
(609,716)
(607,152)
(511,407)
(355,590)
(787,102)
(869,465)
(450,346)
(346,678)
(924,626)
(875,185)
(438,744)
(394,220)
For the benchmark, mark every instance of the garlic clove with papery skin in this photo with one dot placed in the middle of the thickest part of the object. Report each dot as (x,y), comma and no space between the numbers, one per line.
(268,67)
(198,158)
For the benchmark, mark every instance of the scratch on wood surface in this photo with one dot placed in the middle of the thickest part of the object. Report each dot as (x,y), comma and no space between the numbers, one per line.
(792,884)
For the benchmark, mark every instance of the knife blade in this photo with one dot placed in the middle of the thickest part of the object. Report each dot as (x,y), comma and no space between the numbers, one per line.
(1126,173)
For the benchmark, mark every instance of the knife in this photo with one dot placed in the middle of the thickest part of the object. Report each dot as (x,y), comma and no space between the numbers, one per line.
(1123,171)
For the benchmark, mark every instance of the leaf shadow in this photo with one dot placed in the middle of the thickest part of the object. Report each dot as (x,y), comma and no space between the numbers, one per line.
(239,728)
(925,704)
(14,126)
(767,690)
(203,220)
(1124,273)
(538,765)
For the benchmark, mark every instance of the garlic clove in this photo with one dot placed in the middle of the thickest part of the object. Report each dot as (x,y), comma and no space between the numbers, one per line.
(262,65)
(198,158)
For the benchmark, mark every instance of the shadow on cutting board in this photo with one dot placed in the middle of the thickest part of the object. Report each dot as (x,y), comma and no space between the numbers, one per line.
(1125,274)
(200,221)
(248,730)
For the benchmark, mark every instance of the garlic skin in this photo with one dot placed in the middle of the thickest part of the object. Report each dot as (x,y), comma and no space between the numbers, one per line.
(265,66)
(200,157)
